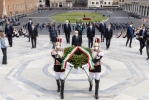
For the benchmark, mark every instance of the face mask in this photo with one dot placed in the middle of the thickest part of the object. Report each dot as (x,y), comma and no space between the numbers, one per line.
(30,21)
(57,47)
(79,24)
(76,34)
(143,29)
(130,25)
(32,26)
(96,48)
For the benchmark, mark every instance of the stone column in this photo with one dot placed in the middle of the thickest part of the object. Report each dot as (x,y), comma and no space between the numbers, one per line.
(138,9)
(143,11)
(4,8)
(131,7)
(58,4)
(126,7)
(146,11)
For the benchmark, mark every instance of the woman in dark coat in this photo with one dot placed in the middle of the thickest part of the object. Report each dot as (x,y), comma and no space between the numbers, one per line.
(53,35)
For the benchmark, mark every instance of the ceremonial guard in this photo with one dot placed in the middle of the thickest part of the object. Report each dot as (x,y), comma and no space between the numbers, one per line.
(97,55)
(57,54)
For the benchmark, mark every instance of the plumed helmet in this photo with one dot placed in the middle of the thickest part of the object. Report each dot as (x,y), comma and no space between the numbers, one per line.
(97,42)
(59,41)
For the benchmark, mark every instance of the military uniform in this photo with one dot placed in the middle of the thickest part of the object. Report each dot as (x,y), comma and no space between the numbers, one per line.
(57,54)
(96,72)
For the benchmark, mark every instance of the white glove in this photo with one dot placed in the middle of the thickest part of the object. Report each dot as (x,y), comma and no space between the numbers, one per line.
(69,64)
(86,65)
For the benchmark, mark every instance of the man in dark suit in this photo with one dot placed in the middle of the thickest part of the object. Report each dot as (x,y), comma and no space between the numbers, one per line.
(9,32)
(29,27)
(67,31)
(102,29)
(142,32)
(108,36)
(130,34)
(90,35)
(34,35)
(76,39)
(146,37)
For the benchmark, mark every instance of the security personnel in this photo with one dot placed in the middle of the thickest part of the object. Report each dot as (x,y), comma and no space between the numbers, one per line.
(97,55)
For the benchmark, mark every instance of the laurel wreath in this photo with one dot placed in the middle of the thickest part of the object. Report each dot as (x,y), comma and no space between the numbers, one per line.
(79,58)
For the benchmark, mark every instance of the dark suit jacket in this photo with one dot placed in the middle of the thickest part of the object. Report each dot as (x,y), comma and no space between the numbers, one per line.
(102,28)
(29,26)
(128,32)
(8,31)
(141,34)
(67,29)
(76,41)
(34,33)
(146,35)
(109,33)
(90,32)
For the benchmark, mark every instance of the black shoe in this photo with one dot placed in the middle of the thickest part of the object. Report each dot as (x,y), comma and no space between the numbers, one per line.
(32,48)
(96,96)
(140,51)
(4,63)
(130,46)
(58,85)
(147,59)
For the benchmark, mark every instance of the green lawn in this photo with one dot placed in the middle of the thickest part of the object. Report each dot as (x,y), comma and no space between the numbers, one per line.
(72,16)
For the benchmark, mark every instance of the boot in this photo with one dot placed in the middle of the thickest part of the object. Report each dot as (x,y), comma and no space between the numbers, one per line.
(62,89)
(96,88)
(58,85)
(91,85)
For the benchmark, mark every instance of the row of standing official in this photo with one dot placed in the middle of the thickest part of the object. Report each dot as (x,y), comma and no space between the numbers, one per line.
(77,38)
(33,34)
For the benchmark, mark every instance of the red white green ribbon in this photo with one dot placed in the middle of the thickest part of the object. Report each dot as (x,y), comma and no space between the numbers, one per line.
(90,63)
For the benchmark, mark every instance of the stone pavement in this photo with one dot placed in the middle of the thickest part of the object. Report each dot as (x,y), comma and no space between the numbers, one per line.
(29,73)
